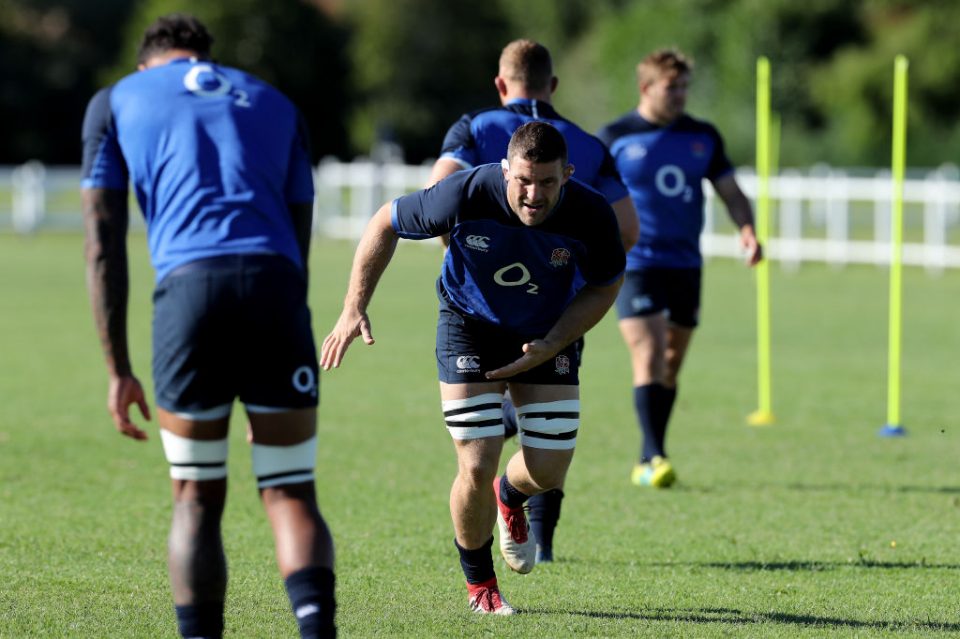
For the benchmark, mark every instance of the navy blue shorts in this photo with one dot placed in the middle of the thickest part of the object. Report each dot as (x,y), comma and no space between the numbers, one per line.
(229,327)
(655,290)
(467,348)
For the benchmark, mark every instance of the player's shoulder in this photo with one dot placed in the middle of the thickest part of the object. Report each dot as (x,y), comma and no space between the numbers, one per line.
(486,177)
(574,132)
(101,99)
(240,78)
(690,124)
(481,179)
(583,195)
(627,124)
(487,114)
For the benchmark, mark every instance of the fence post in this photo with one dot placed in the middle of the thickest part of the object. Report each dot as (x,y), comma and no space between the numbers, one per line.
(791,219)
(838,219)
(29,196)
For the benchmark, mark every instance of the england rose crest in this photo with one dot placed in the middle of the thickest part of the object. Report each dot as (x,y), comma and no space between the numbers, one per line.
(559,257)
(562,365)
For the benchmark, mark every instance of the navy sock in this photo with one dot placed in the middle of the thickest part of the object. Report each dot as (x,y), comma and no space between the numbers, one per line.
(644,401)
(201,621)
(311,595)
(664,406)
(477,564)
(509,419)
(510,496)
(544,515)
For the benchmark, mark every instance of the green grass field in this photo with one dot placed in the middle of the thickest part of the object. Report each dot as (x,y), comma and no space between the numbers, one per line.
(813,527)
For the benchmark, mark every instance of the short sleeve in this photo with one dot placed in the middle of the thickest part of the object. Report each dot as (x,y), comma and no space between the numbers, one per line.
(431,212)
(103,165)
(720,164)
(459,144)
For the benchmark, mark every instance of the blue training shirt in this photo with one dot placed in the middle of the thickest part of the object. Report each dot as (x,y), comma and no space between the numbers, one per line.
(497,269)
(663,168)
(215,156)
(482,138)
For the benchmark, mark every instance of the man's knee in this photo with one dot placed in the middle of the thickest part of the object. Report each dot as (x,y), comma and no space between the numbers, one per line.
(477,472)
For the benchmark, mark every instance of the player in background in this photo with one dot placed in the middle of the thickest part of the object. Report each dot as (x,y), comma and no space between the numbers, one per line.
(525,84)
(663,156)
(220,166)
(534,261)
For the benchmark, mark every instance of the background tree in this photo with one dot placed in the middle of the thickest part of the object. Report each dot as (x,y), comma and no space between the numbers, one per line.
(403,70)
(293,45)
(50,52)
(419,65)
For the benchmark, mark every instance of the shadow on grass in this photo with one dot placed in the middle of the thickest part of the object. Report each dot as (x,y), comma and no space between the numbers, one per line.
(738,617)
(842,487)
(811,566)
(789,566)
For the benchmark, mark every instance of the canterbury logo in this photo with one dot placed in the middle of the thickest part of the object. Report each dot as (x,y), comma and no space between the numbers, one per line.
(468,362)
(478,242)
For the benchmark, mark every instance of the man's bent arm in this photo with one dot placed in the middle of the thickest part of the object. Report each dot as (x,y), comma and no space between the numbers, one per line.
(738,207)
(373,254)
(105,216)
(587,308)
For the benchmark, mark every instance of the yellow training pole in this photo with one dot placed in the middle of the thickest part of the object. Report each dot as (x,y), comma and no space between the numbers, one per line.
(763,416)
(893,427)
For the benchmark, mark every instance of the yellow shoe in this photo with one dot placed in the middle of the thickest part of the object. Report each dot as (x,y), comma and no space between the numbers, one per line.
(663,474)
(657,473)
(641,474)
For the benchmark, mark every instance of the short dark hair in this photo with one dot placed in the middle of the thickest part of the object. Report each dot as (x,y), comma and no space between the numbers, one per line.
(175,31)
(537,142)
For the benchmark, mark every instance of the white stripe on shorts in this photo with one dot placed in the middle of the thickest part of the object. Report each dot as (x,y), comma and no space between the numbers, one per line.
(217,412)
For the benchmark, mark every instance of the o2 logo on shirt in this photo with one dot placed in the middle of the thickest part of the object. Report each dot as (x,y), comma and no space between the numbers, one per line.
(671,181)
(515,274)
(203,80)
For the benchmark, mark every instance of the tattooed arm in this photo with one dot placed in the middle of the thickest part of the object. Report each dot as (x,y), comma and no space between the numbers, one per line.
(105,215)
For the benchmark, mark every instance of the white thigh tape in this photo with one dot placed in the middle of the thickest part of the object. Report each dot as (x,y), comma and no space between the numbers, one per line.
(278,465)
(195,459)
(549,425)
(474,417)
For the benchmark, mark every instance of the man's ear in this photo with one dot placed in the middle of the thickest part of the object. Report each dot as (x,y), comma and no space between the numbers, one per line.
(505,167)
(501,85)
(568,172)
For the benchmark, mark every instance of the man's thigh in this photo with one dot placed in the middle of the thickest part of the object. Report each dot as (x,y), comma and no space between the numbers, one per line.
(654,291)
(548,417)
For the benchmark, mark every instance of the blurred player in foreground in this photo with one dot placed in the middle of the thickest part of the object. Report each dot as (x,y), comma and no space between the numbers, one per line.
(220,166)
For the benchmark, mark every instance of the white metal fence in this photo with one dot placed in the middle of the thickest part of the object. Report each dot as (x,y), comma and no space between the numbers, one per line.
(823,214)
